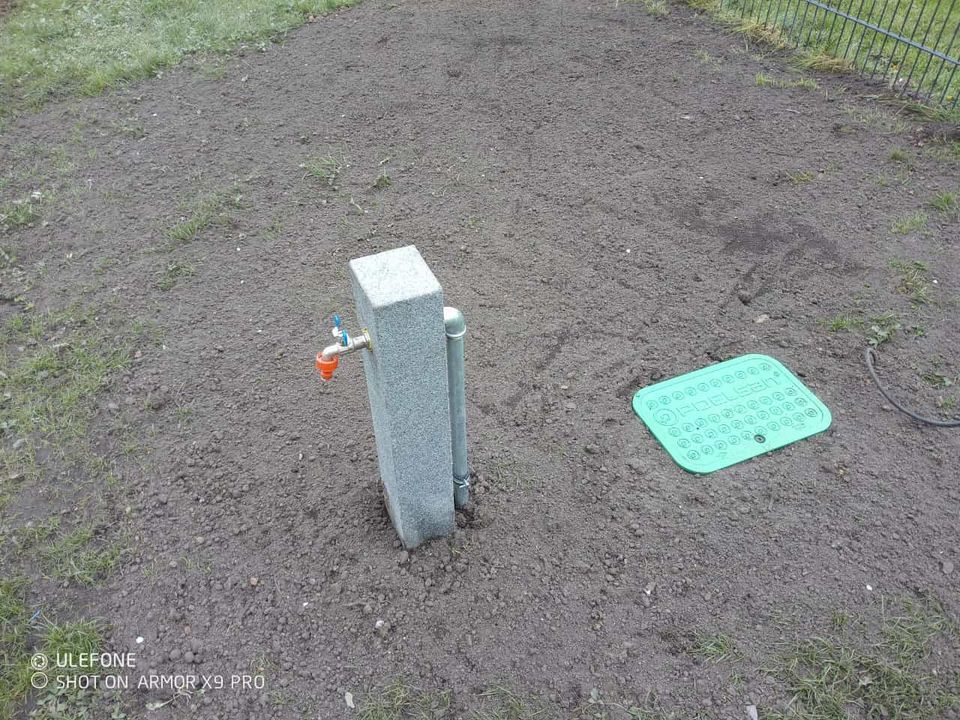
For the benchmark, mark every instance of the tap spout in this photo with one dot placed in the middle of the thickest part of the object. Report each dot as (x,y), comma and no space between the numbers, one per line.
(329,358)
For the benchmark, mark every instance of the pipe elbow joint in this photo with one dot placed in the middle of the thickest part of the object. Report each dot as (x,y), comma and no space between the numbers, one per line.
(453,323)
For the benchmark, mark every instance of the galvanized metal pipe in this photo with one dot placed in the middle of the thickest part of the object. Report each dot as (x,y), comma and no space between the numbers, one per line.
(456,327)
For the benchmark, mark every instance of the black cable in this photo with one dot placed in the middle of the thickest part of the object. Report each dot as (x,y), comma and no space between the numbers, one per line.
(869,356)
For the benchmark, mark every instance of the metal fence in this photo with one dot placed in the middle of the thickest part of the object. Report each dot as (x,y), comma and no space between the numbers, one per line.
(914,45)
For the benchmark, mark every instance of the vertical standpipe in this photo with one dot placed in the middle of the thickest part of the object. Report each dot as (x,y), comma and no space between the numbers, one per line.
(456,328)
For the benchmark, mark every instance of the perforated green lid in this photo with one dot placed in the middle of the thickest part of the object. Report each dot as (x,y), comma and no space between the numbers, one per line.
(729,412)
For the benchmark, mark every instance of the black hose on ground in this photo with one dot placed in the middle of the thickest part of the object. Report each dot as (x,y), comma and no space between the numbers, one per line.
(869,357)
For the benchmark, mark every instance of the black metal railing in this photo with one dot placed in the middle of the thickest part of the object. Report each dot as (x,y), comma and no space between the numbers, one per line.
(914,45)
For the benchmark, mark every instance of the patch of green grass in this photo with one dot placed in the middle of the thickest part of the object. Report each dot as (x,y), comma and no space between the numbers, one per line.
(657,8)
(750,29)
(945,203)
(35,533)
(823,62)
(104,264)
(202,214)
(84,636)
(67,357)
(764,80)
(19,213)
(827,677)
(148,331)
(131,127)
(213,70)
(383,181)
(174,272)
(908,633)
(898,155)
(841,322)
(914,280)
(705,58)
(274,230)
(882,329)
(52,366)
(800,177)
(910,223)
(715,648)
(840,621)
(51,638)
(943,150)
(830,677)
(8,258)
(56,703)
(326,168)
(501,703)
(48,47)
(936,379)
(876,117)
(472,222)
(400,701)
(80,556)
(14,669)
(947,403)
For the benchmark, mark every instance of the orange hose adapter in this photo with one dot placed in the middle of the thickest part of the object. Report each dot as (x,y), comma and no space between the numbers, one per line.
(327,367)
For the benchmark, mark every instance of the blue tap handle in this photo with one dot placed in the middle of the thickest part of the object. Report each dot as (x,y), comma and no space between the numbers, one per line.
(336,321)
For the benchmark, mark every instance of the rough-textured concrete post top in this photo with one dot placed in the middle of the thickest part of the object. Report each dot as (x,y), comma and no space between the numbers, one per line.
(400,305)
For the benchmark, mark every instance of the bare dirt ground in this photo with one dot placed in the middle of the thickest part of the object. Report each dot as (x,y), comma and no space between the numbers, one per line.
(611,200)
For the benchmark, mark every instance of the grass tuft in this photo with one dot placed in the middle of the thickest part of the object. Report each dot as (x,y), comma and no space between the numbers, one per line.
(174,272)
(657,8)
(401,701)
(823,62)
(14,671)
(841,323)
(945,203)
(800,177)
(715,648)
(326,168)
(202,214)
(910,223)
(756,31)
(501,703)
(20,213)
(898,155)
(914,280)
(805,83)
(79,557)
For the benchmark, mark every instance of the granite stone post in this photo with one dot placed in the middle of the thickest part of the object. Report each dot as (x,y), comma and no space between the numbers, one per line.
(400,304)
